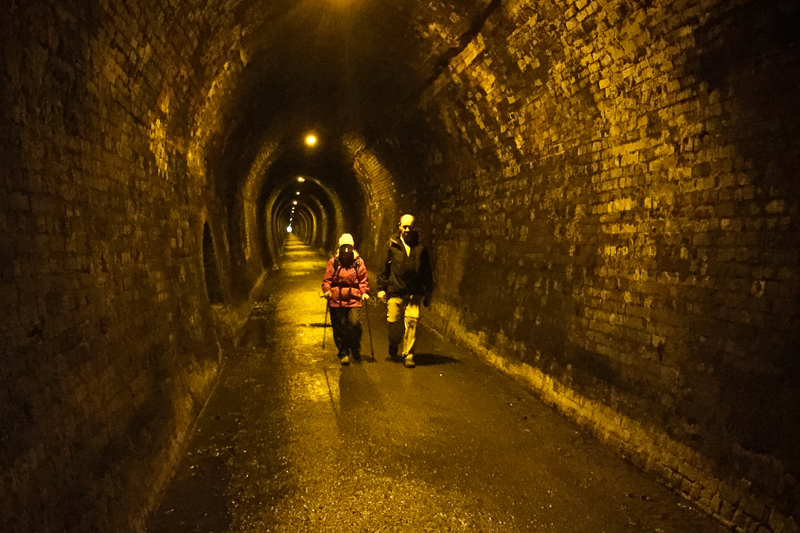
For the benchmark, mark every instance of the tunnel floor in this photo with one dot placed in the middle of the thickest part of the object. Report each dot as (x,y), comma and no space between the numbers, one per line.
(290,441)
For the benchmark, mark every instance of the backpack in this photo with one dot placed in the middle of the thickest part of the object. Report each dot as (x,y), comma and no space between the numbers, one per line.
(337,267)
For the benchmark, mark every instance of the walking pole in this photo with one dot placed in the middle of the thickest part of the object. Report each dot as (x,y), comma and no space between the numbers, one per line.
(324,324)
(369,329)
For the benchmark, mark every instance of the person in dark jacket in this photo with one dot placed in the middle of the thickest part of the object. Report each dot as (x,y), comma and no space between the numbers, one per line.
(407,282)
(345,286)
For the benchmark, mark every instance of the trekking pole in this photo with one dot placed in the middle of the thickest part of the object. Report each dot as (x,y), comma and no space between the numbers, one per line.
(369,330)
(324,325)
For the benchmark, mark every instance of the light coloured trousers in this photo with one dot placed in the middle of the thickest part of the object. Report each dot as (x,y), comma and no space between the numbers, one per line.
(406,308)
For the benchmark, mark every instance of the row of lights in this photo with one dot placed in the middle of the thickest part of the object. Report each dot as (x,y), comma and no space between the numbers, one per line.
(311,141)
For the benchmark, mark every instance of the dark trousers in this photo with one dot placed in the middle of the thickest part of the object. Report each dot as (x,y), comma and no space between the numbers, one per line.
(346,322)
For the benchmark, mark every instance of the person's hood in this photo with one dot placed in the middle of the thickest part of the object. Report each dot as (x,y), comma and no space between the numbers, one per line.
(346,238)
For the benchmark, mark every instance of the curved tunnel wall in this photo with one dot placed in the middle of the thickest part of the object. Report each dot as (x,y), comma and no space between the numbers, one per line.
(108,343)
(612,199)
(610,188)
(321,229)
(380,209)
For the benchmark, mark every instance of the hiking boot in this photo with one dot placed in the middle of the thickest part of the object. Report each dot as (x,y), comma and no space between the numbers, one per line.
(357,357)
(345,360)
(409,361)
(394,353)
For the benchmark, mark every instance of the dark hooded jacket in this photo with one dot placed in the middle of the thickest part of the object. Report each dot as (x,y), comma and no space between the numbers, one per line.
(406,274)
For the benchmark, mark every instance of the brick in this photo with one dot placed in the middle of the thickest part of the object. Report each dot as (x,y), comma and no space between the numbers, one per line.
(598,126)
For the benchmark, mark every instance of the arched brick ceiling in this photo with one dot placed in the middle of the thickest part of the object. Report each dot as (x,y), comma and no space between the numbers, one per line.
(609,188)
(339,66)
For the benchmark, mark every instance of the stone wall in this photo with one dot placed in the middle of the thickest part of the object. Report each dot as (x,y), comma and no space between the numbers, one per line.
(380,209)
(611,194)
(107,339)
(609,189)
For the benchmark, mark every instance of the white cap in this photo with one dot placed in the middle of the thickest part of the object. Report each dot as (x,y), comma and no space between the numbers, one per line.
(346,238)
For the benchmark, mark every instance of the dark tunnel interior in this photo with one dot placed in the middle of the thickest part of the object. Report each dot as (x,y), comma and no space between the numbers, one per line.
(608,190)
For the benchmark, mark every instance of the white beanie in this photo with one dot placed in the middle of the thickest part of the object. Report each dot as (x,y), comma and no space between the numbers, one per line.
(346,238)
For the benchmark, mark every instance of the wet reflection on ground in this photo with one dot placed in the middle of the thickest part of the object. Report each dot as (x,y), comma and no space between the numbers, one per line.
(292,442)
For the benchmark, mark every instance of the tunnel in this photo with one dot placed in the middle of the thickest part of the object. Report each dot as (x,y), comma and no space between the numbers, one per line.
(608,190)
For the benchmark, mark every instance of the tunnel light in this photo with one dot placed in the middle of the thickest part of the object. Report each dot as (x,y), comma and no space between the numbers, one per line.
(311,139)
(294,202)
(298,193)
(300,179)
(288,229)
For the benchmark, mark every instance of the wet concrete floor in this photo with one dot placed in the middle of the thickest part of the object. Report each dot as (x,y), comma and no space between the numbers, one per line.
(291,441)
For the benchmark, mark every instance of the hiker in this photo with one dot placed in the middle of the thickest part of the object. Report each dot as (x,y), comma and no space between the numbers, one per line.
(407,281)
(346,286)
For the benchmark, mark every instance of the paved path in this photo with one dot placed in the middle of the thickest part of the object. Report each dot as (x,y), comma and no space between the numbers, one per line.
(291,442)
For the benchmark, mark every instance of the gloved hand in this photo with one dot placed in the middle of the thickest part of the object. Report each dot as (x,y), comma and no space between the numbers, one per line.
(365,297)
(381,295)
(327,295)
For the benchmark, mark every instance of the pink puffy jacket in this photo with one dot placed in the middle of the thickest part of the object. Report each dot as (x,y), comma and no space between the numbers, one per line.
(346,284)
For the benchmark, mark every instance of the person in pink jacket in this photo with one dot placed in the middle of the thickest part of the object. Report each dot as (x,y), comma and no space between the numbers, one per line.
(345,286)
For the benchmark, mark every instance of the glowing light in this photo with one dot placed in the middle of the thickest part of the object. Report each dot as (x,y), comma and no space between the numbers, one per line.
(301,179)
(294,202)
(288,229)
(311,139)
(298,193)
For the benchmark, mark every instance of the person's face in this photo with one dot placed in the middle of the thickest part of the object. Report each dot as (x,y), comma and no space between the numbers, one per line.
(406,226)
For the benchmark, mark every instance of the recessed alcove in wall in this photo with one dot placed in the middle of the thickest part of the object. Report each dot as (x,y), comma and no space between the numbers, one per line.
(210,267)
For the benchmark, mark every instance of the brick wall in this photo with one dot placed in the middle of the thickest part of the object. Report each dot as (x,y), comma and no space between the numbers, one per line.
(610,188)
(107,342)
(380,205)
(611,195)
